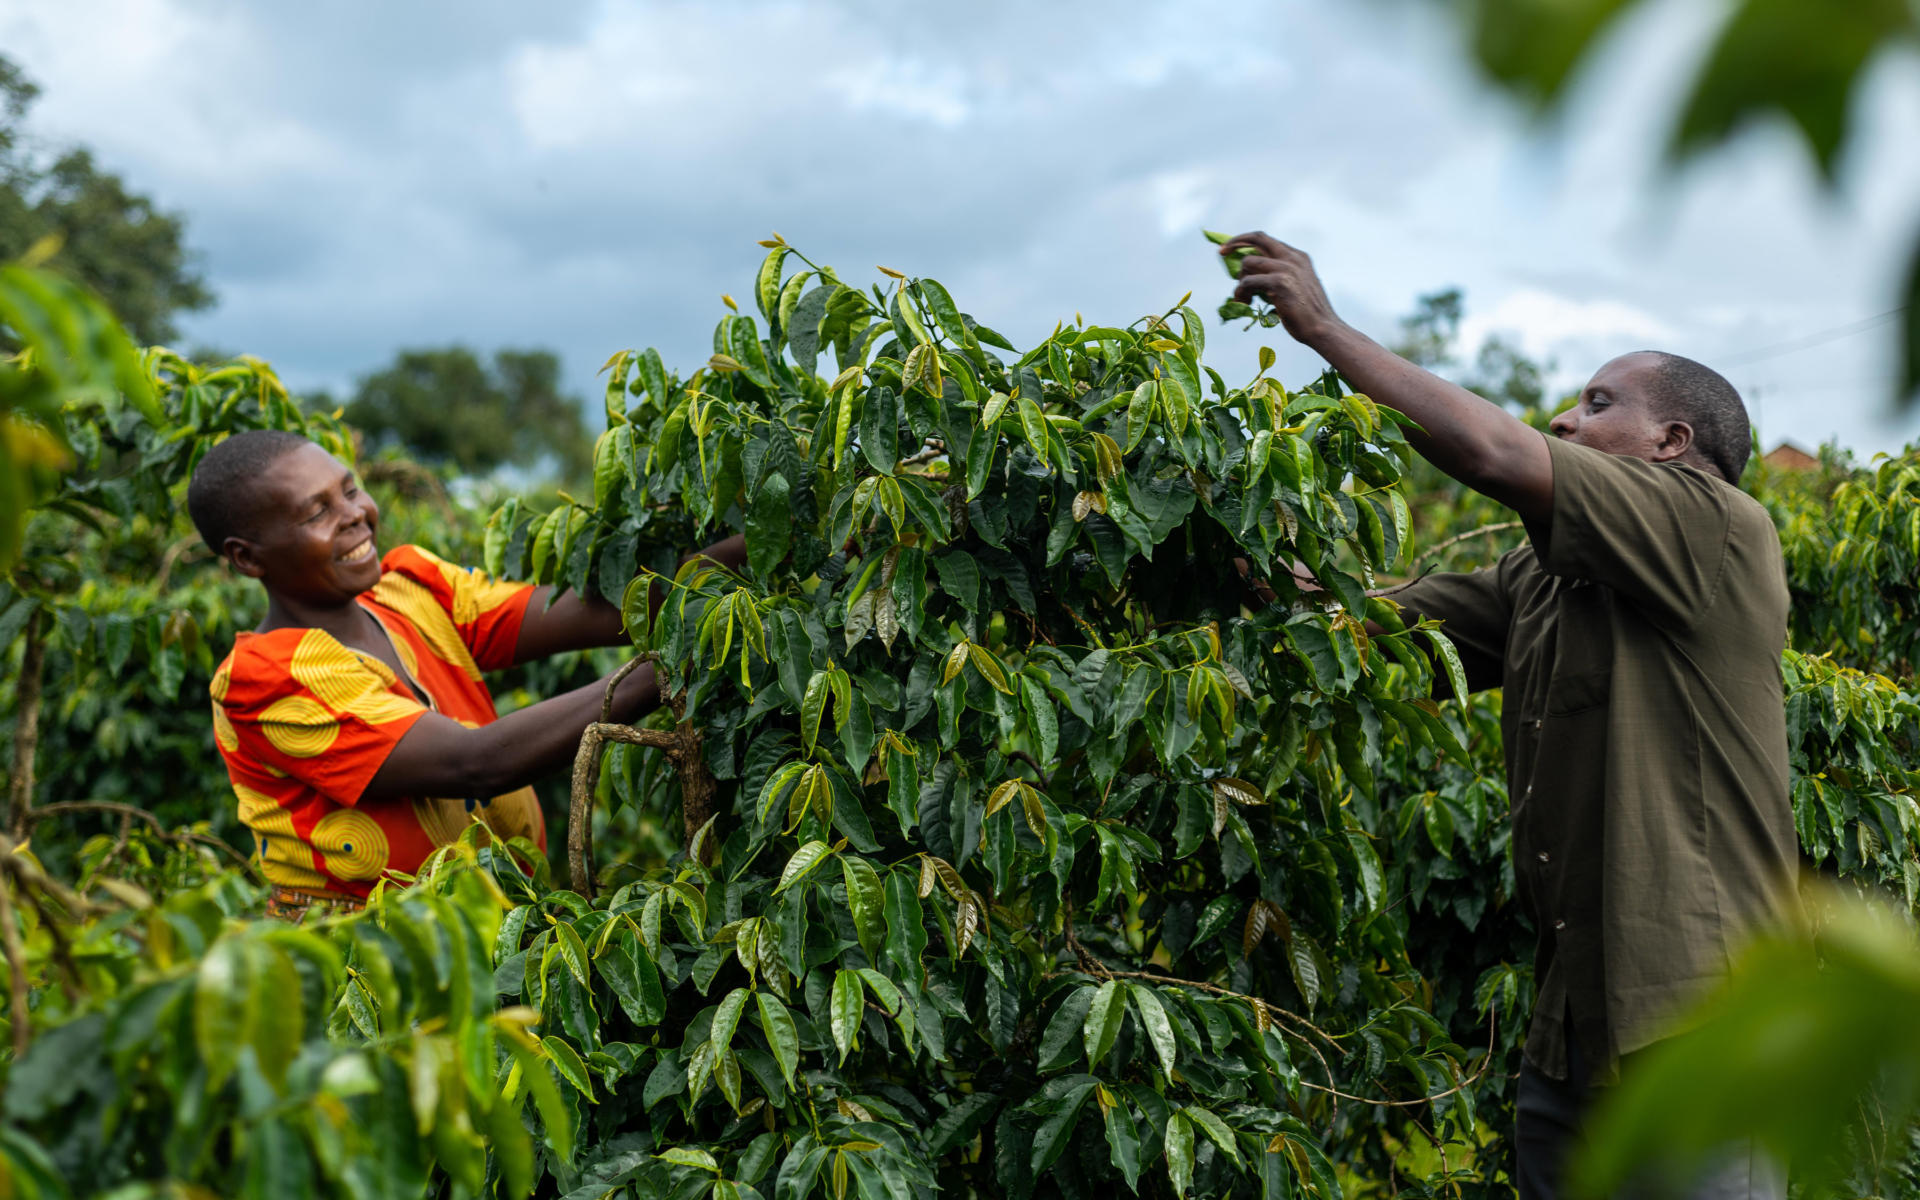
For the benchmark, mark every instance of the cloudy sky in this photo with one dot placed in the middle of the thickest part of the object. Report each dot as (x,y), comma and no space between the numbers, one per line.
(362,176)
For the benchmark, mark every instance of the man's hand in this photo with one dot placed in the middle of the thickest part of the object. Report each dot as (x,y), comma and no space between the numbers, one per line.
(1284,278)
(1480,444)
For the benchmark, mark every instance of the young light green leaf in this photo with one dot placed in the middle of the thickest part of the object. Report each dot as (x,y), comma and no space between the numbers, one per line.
(804,860)
(566,1060)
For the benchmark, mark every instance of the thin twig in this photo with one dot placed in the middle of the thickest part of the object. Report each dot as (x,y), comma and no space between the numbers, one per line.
(935,448)
(62,948)
(1033,762)
(16,973)
(1464,1084)
(1483,531)
(613,681)
(26,728)
(131,812)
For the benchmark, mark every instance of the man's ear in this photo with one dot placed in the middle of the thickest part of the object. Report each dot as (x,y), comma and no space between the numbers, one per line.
(1676,441)
(240,552)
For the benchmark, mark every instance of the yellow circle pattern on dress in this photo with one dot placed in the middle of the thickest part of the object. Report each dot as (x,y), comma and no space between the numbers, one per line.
(222,680)
(443,819)
(285,858)
(223,731)
(299,727)
(329,670)
(351,844)
(429,620)
(381,707)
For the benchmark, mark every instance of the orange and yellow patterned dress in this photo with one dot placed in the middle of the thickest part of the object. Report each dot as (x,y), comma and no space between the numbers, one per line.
(304,723)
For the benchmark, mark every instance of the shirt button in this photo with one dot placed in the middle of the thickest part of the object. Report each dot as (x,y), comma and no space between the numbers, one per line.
(1559,924)
(1536,724)
(1529,790)
(1543,857)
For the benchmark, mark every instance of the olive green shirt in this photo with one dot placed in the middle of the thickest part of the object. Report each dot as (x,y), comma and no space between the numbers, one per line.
(1638,639)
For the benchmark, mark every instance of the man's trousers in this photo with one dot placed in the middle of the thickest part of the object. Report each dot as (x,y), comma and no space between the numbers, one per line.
(1550,1114)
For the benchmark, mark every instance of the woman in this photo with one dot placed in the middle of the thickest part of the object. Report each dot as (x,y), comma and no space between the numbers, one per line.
(356,728)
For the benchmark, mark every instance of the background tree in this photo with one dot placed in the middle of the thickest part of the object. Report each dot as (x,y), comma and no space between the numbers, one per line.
(112,239)
(447,407)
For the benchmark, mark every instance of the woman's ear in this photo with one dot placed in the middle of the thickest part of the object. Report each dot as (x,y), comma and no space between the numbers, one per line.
(1676,441)
(240,553)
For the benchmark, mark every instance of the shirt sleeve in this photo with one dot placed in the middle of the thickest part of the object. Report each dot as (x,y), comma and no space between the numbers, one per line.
(1655,534)
(486,612)
(313,710)
(1473,611)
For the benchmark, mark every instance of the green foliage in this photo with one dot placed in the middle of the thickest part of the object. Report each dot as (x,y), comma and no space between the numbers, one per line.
(1020,801)
(366,1056)
(448,408)
(114,241)
(1810,1042)
(1801,60)
(1026,850)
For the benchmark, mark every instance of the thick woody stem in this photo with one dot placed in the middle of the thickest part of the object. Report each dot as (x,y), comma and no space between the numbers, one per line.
(26,729)
(586,777)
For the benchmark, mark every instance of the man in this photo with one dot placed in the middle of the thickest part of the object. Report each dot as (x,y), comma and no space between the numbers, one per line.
(356,729)
(1638,639)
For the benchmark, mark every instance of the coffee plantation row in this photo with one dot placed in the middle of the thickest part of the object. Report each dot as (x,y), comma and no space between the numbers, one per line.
(999,838)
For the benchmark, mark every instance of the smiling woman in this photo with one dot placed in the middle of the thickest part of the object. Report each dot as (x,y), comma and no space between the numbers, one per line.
(354,722)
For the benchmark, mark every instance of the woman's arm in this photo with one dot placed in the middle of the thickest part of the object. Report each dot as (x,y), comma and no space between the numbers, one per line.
(441,757)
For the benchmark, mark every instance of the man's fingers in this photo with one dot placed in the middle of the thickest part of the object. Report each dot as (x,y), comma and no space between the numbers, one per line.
(1267,286)
(1269,246)
(1258,264)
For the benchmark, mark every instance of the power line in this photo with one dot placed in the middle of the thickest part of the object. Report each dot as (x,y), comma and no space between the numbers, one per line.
(1811,340)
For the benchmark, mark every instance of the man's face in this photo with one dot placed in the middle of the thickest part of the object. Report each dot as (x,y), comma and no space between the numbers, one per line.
(314,530)
(1615,413)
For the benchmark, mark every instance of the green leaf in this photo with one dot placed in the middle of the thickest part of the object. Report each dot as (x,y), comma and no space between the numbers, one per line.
(1105,1014)
(1140,413)
(1456,674)
(1153,1018)
(1055,1133)
(879,430)
(726,1019)
(1215,1129)
(630,972)
(812,706)
(804,860)
(566,1060)
(844,1008)
(573,952)
(866,902)
(769,525)
(224,1008)
(1179,1143)
(906,924)
(1061,1044)
(777,1023)
(957,1126)
(1123,1142)
(766,291)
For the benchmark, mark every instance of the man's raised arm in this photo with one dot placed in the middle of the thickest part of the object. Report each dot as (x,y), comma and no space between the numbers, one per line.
(1471,439)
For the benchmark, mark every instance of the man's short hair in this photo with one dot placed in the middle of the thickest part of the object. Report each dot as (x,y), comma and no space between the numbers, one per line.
(1684,390)
(220,495)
